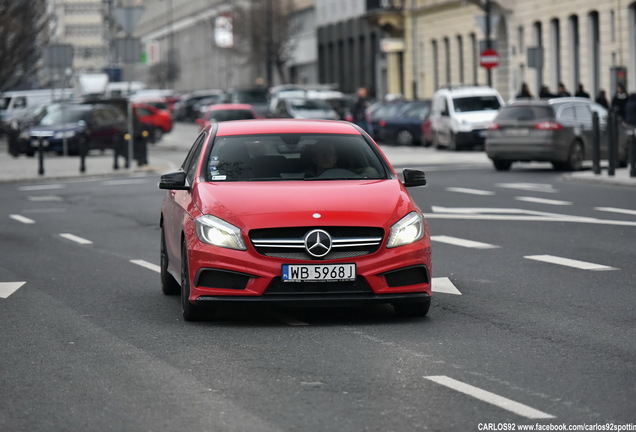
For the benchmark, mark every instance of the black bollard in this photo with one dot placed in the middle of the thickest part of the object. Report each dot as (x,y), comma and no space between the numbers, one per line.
(82,151)
(632,154)
(612,134)
(596,144)
(40,156)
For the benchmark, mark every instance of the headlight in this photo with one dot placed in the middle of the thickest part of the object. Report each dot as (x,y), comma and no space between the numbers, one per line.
(217,232)
(407,230)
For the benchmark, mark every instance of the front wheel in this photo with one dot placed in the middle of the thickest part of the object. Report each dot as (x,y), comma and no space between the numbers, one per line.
(169,286)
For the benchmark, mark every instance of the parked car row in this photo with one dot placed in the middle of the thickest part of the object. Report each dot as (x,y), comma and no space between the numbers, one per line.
(558,130)
(73,127)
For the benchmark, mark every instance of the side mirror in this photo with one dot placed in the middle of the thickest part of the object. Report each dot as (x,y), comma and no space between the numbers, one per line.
(173,181)
(414,177)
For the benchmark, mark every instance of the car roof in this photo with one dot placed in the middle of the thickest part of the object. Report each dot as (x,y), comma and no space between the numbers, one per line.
(468,91)
(273,126)
(546,102)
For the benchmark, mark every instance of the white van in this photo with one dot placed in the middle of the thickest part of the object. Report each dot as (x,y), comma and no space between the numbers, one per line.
(13,103)
(460,116)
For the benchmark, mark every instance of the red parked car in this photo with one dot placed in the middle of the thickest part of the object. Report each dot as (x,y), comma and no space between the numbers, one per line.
(227,112)
(298,212)
(159,119)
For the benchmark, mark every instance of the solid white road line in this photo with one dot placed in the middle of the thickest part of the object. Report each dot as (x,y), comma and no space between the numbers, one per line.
(41,187)
(147,265)
(569,262)
(461,242)
(491,398)
(8,288)
(445,286)
(469,191)
(543,201)
(123,182)
(19,218)
(40,198)
(75,238)
(616,210)
(537,187)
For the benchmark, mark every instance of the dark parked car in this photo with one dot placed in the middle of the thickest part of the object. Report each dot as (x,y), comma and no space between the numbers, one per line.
(405,127)
(556,130)
(97,126)
(381,111)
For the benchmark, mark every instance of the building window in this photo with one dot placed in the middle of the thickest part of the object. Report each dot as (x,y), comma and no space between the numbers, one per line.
(613,25)
(83,30)
(434,48)
(473,50)
(520,40)
(555,42)
(447,62)
(460,56)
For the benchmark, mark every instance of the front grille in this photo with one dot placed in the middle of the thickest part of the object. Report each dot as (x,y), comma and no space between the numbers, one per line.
(289,243)
(278,287)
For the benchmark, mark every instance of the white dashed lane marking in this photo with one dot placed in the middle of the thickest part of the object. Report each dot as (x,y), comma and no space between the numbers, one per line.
(543,201)
(462,242)
(75,239)
(22,219)
(491,398)
(41,187)
(42,198)
(445,286)
(469,191)
(147,265)
(569,262)
(8,288)
(616,210)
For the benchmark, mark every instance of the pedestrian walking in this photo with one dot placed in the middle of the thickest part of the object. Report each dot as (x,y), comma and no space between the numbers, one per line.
(359,110)
(601,99)
(562,91)
(580,92)
(619,100)
(524,93)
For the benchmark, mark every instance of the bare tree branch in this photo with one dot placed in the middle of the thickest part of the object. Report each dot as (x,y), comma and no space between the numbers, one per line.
(23,31)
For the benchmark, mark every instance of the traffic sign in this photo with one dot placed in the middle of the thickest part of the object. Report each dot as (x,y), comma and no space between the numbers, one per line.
(489,58)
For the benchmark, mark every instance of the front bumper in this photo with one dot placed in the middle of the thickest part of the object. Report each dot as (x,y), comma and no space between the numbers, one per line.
(394,275)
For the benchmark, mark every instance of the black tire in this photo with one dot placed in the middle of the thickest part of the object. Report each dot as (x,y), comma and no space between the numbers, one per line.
(502,165)
(190,311)
(404,138)
(575,157)
(452,143)
(169,286)
(413,309)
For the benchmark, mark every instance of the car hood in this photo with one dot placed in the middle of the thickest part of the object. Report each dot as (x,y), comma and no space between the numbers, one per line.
(477,116)
(55,128)
(251,205)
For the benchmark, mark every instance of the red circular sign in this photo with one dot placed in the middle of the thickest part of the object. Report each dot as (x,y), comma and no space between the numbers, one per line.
(489,58)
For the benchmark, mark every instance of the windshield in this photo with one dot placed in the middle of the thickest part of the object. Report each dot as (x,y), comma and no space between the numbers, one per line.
(4,103)
(476,103)
(226,115)
(250,96)
(276,157)
(62,116)
(310,104)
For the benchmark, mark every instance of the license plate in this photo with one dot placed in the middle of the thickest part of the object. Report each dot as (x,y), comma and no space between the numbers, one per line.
(517,132)
(318,272)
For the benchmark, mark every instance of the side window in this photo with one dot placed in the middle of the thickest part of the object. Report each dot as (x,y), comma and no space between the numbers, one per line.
(567,115)
(192,159)
(444,108)
(19,102)
(583,114)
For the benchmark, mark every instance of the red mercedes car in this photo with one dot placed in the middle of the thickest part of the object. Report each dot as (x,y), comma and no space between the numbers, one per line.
(299,212)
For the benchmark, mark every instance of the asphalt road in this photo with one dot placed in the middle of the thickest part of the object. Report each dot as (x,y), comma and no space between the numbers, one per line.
(532,322)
